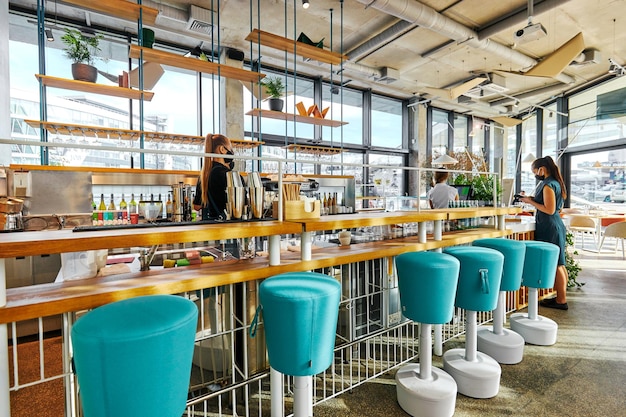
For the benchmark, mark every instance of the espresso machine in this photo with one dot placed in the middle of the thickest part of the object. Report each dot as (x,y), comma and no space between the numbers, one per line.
(182,199)
(10,207)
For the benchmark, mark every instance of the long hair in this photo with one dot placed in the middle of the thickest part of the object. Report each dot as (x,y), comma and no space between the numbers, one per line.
(211,143)
(548,163)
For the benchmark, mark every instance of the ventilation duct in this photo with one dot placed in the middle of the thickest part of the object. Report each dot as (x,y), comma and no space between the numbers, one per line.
(388,75)
(494,85)
(200,20)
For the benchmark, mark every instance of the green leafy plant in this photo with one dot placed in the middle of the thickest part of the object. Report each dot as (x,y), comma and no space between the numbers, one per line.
(80,48)
(482,188)
(274,86)
(571,264)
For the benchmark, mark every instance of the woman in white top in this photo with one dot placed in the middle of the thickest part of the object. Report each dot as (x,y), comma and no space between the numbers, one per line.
(441,193)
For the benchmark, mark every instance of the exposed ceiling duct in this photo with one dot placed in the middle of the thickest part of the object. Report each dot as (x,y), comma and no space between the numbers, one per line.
(426,17)
(386,36)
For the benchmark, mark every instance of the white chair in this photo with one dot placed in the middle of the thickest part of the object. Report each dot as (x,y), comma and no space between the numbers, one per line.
(618,231)
(583,225)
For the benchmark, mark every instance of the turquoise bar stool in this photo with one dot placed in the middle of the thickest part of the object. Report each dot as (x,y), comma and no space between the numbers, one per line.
(476,374)
(133,357)
(427,282)
(504,345)
(300,312)
(539,272)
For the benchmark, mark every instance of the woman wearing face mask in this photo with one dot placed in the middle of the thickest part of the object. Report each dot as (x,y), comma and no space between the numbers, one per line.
(211,187)
(549,227)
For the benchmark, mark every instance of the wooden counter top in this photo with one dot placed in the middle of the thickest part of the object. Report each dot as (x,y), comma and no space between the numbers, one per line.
(361,219)
(61,241)
(50,299)
(364,219)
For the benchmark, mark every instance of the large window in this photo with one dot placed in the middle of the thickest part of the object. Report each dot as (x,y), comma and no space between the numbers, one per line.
(528,153)
(598,115)
(297,91)
(549,141)
(460,133)
(439,132)
(346,105)
(386,122)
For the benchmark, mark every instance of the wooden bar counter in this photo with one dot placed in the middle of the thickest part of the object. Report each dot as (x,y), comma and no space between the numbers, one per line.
(50,299)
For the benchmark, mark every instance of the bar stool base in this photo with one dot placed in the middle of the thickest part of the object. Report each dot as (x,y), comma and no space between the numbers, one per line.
(506,348)
(540,331)
(425,397)
(476,379)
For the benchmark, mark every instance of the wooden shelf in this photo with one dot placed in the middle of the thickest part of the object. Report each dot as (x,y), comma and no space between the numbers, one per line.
(302,49)
(271,114)
(118,8)
(102,132)
(94,88)
(313,150)
(194,64)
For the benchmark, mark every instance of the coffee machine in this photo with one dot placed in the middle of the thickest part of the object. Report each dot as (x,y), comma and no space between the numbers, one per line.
(10,207)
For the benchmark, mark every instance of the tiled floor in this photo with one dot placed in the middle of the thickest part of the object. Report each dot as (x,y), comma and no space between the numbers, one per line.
(583,374)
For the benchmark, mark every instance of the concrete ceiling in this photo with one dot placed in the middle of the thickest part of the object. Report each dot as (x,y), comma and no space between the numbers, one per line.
(466,38)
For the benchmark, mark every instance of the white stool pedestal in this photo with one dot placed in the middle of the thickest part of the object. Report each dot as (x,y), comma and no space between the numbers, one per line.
(477,375)
(539,331)
(535,329)
(425,397)
(479,378)
(505,346)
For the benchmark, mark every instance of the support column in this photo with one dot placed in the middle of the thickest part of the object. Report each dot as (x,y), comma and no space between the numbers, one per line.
(5,85)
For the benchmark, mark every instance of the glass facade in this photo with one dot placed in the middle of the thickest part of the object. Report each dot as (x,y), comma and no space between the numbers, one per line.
(189,103)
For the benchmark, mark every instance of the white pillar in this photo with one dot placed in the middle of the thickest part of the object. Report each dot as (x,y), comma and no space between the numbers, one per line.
(302,396)
(421,232)
(276,393)
(5,85)
(533,303)
(305,246)
(274,250)
(471,336)
(498,314)
(5,408)
(426,352)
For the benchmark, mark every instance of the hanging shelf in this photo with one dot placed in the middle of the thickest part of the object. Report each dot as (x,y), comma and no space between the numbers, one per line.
(194,64)
(119,8)
(100,132)
(301,48)
(279,115)
(313,150)
(94,88)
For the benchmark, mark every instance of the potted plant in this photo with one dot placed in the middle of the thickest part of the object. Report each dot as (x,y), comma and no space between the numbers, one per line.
(275,88)
(82,49)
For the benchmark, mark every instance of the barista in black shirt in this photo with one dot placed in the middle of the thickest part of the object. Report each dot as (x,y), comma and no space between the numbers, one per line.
(212,198)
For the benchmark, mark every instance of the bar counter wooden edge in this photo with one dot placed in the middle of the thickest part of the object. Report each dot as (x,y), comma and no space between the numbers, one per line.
(51,299)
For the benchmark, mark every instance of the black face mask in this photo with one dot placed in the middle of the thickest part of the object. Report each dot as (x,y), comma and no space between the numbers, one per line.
(540,177)
(229,161)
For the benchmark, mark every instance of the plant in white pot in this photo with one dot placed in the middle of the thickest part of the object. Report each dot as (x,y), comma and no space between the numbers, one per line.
(275,88)
(82,50)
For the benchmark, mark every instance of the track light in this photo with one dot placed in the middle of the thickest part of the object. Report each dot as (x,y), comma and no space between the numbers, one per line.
(305,4)
(49,35)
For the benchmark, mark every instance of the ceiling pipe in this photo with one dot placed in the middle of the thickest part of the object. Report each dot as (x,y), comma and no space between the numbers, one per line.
(427,17)
(383,38)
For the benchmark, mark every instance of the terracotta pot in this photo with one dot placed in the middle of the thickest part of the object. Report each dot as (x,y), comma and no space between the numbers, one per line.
(84,72)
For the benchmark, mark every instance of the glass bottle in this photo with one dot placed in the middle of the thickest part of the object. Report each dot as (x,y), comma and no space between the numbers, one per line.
(168,206)
(132,208)
(102,205)
(111,203)
(123,204)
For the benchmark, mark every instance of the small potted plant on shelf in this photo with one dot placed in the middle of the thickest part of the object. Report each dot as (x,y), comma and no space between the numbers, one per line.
(275,88)
(82,50)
